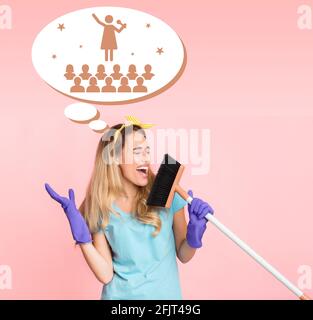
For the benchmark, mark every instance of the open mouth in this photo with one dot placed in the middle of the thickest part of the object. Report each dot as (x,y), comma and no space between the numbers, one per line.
(143,170)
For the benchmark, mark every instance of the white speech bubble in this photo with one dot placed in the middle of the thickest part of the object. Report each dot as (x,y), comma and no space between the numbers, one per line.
(78,38)
(97,125)
(80,112)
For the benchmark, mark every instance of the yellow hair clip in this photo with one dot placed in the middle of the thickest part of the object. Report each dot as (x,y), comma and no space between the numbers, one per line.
(132,121)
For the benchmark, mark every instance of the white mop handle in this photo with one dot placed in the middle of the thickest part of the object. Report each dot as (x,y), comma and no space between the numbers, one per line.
(254,255)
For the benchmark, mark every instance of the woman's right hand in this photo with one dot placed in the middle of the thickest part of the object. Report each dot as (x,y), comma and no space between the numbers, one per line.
(79,228)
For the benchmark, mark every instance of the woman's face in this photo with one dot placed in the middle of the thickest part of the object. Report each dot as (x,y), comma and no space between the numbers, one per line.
(136,159)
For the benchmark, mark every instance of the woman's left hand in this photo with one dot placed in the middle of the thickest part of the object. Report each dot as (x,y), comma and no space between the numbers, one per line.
(197,210)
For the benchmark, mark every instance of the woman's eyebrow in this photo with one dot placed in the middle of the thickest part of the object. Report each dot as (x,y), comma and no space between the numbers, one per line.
(136,148)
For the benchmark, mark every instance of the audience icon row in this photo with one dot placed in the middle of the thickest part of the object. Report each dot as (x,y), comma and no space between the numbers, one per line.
(123,87)
(101,75)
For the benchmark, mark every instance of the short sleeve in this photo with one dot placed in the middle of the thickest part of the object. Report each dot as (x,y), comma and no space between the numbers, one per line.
(177,203)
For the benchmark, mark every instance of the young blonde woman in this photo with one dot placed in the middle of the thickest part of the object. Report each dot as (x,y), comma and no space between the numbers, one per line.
(131,247)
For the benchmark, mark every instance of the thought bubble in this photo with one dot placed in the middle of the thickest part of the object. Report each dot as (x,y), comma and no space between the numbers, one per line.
(81,112)
(97,125)
(109,55)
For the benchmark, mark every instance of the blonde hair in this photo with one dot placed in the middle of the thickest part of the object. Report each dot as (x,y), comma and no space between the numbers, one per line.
(106,184)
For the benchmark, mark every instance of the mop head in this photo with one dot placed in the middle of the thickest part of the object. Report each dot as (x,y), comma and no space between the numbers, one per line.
(162,190)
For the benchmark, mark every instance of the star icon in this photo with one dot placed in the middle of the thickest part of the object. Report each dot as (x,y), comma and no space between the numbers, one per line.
(160,51)
(61,26)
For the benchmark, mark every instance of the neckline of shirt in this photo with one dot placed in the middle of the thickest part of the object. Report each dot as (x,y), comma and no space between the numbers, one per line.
(117,208)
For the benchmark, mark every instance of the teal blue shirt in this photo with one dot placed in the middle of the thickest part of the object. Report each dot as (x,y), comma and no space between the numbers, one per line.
(145,267)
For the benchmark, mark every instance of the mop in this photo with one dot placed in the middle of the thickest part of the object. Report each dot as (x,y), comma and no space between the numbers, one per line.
(162,192)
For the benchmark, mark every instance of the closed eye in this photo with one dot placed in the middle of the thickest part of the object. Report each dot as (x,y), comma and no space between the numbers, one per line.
(138,150)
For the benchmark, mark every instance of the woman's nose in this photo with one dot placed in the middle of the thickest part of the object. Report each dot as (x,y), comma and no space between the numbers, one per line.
(146,157)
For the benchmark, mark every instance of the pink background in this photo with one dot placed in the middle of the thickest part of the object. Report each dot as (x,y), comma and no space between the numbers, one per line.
(248,79)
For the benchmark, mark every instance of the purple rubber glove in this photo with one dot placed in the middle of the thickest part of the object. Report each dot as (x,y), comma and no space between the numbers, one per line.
(79,228)
(198,209)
